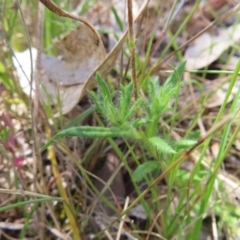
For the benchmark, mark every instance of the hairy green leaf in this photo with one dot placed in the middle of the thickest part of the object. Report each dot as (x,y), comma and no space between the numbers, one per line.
(161,145)
(104,87)
(174,78)
(92,132)
(143,169)
(184,143)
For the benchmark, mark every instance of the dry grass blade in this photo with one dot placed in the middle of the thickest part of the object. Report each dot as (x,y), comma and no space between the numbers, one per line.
(35,112)
(63,192)
(132,48)
(232,12)
(122,220)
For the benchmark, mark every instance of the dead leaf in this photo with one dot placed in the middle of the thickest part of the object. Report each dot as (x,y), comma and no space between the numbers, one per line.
(138,211)
(68,77)
(219,95)
(63,77)
(207,48)
(105,67)
(81,52)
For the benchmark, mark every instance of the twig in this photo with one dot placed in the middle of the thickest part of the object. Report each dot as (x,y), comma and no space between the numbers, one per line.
(153,224)
(62,190)
(36,153)
(233,11)
(174,11)
(35,110)
(122,220)
(132,48)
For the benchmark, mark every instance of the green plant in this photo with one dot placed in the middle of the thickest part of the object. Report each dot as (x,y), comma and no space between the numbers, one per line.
(128,120)
(149,126)
(139,122)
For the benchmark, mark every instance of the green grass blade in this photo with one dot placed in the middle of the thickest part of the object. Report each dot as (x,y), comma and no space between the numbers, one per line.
(20,204)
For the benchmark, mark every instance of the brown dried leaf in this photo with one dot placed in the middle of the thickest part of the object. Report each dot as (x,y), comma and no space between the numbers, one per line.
(207,48)
(82,50)
(218,96)
(63,77)
(82,54)
(72,94)
(105,67)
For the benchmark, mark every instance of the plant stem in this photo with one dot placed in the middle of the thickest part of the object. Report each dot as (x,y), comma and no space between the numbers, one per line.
(132,48)
(62,191)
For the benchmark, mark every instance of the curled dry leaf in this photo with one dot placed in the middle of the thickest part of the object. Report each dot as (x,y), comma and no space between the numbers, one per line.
(107,64)
(68,77)
(105,67)
(81,52)
(207,48)
(62,77)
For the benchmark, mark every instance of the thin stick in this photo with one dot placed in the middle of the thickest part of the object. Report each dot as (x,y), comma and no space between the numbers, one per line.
(36,155)
(175,9)
(153,224)
(233,11)
(122,220)
(132,48)
(35,115)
